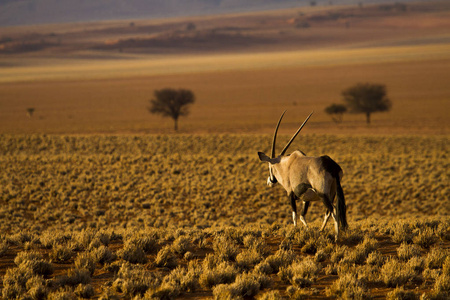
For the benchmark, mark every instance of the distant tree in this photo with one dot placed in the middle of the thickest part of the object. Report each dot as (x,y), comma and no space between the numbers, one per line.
(172,103)
(190,26)
(30,111)
(367,98)
(336,111)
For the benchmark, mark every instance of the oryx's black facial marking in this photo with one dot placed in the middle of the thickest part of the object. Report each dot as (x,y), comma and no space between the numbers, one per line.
(273,179)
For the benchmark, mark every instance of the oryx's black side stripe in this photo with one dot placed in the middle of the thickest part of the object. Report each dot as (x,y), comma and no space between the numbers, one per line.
(301,189)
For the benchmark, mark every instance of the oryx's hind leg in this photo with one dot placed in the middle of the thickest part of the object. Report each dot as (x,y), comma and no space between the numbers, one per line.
(325,220)
(328,213)
(330,209)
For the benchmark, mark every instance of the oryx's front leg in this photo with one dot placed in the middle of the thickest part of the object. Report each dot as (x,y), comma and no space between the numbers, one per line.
(303,213)
(292,197)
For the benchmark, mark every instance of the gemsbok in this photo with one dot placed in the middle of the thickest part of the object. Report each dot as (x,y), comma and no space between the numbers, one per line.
(308,179)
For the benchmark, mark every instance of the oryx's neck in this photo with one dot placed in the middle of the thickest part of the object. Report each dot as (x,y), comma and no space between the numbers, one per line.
(282,170)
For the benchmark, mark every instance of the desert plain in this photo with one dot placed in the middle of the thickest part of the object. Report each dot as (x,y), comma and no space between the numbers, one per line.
(101,199)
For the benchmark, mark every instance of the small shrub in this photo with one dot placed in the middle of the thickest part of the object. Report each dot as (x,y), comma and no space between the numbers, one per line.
(84,291)
(417,264)
(15,280)
(247,259)
(36,287)
(35,261)
(134,280)
(348,287)
(3,248)
(225,292)
(62,294)
(442,284)
(74,277)
(425,238)
(352,236)
(181,244)
(104,255)
(147,241)
(270,295)
(185,279)
(189,255)
(19,238)
(400,294)
(132,253)
(264,268)
(48,239)
(309,240)
(395,273)
(224,272)
(446,266)
(164,291)
(246,285)
(331,269)
(84,238)
(108,294)
(256,244)
(225,248)
(403,233)
(86,260)
(300,273)
(166,258)
(321,256)
(338,254)
(281,258)
(375,259)
(298,293)
(407,251)
(436,257)
(61,253)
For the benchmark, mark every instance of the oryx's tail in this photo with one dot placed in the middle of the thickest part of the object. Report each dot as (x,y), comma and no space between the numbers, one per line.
(341,208)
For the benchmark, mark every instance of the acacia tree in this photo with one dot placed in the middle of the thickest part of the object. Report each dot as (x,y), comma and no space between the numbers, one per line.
(367,98)
(172,103)
(336,111)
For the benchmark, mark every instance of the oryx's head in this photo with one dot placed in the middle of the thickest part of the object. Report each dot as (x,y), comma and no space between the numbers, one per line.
(275,160)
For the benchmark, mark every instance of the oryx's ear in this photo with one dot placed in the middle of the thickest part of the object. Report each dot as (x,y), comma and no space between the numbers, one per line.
(263,157)
(273,161)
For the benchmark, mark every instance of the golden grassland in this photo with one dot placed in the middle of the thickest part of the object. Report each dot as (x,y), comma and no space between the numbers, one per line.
(169,216)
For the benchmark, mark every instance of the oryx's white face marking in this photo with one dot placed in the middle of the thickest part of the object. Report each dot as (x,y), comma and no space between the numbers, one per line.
(271,180)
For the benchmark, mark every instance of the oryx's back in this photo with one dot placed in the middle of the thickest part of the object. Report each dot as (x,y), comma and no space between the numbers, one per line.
(309,170)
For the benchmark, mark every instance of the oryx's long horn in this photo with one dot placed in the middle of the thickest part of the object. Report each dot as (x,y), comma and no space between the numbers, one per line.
(293,137)
(275,135)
